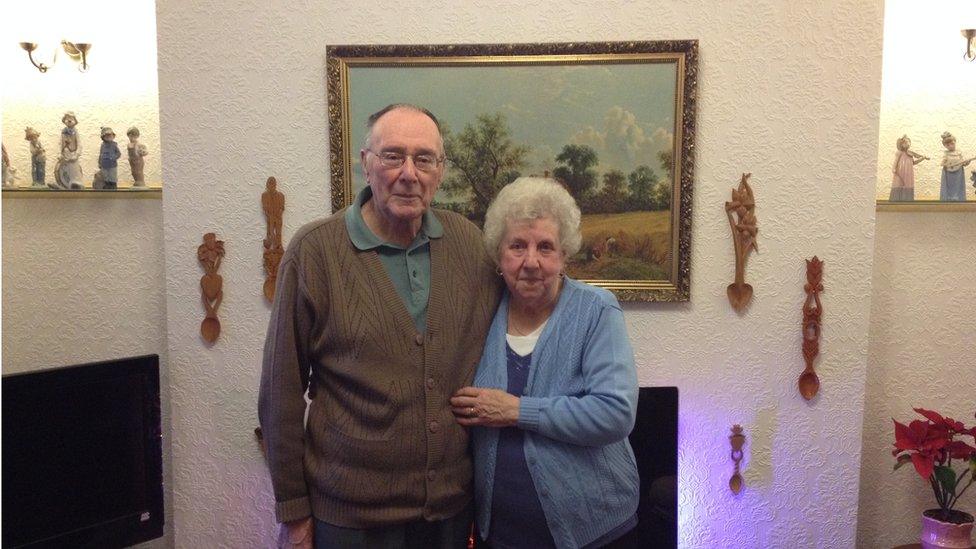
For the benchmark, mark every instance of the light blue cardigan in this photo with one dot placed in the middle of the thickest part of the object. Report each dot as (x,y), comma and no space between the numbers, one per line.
(579,407)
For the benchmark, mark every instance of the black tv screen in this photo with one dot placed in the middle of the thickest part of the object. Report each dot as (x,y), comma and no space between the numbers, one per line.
(82,455)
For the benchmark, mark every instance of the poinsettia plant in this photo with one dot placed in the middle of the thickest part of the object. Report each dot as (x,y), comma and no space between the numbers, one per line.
(933,446)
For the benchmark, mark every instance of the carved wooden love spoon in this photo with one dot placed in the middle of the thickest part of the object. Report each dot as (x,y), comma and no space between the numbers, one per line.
(809,383)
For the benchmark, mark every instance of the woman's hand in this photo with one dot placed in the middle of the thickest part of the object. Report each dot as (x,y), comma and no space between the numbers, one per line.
(485,407)
(297,534)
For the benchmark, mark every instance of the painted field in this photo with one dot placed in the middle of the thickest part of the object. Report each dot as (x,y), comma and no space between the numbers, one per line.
(624,246)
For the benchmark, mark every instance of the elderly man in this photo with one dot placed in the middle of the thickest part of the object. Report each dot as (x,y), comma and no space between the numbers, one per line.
(380,312)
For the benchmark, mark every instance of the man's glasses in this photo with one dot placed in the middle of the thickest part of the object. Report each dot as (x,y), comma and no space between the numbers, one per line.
(423,162)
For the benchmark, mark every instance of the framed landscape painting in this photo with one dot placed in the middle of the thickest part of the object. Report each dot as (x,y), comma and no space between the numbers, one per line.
(613,122)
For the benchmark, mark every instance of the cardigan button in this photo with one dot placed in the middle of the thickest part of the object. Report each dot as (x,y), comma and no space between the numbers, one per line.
(418,339)
(431,475)
(434,426)
(430,383)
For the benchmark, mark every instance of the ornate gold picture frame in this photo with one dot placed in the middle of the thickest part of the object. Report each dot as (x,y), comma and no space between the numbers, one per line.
(612,121)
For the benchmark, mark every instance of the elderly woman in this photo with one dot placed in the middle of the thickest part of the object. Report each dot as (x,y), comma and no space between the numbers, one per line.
(555,394)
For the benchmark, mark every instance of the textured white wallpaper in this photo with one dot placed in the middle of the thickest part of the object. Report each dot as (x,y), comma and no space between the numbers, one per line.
(921,355)
(785,89)
(81,281)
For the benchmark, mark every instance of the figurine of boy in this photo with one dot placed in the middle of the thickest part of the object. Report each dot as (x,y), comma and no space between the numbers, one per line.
(38,158)
(67,172)
(136,152)
(108,159)
(953,186)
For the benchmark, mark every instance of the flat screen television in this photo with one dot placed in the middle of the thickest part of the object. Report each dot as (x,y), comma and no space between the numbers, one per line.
(82,455)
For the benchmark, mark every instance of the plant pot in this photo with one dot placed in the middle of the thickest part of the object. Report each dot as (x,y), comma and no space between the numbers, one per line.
(953,533)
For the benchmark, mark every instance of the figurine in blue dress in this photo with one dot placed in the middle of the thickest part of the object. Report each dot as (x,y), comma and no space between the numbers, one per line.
(953,187)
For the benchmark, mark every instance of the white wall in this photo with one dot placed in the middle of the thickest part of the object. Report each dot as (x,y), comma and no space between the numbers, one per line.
(83,277)
(922,335)
(82,281)
(785,89)
(923,340)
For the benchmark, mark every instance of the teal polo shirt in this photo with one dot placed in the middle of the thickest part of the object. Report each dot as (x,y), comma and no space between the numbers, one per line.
(408,268)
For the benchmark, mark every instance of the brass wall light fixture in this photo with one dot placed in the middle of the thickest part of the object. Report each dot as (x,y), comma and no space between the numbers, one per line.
(77,51)
(970,36)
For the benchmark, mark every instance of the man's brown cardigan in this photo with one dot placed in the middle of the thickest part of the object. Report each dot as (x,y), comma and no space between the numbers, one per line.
(380,446)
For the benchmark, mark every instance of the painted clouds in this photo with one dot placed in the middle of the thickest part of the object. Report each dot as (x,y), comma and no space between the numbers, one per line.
(623,144)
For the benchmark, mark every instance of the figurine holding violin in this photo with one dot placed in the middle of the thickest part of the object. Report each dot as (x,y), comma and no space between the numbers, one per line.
(903,170)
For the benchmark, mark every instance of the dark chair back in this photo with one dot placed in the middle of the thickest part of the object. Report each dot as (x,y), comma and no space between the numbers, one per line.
(655,443)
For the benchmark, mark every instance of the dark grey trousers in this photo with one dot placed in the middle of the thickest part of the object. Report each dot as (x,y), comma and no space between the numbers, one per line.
(451,533)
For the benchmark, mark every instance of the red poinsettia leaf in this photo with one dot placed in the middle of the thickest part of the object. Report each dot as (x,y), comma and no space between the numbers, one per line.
(934,417)
(960,450)
(923,464)
(919,428)
(905,438)
(934,444)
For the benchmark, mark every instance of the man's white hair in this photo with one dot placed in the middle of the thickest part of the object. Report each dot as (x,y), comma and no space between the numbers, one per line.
(529,198)
(373,118)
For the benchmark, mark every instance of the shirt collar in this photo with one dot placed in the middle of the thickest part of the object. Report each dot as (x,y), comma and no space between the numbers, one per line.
(365,239)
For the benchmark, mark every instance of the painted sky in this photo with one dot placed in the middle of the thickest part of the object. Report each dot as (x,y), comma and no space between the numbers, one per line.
(623,111)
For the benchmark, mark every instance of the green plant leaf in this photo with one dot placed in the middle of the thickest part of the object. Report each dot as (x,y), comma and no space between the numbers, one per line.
(972,466)
(902,459)
(946,477)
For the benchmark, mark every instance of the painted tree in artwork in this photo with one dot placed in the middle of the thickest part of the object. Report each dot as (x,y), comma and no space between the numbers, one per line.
(662,196)
(576,171)
(483,159)
(612,197)
(662,192)
(665,159)
(641,183)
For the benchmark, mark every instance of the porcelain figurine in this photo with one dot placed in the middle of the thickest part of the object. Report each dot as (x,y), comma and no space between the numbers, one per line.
(903,171)
(108,160)
(67,172)
(7,172)
(38,157)
(136,152)
(953,188)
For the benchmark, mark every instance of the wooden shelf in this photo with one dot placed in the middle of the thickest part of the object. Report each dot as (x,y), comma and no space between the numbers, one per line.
(121,192)
(925,206)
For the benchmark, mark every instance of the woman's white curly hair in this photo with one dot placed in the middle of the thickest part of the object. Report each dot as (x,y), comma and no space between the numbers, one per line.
(529,198)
